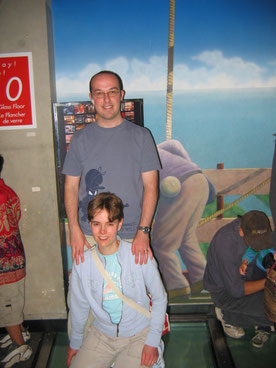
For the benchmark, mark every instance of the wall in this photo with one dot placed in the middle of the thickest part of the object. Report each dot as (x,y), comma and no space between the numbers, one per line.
(25,26)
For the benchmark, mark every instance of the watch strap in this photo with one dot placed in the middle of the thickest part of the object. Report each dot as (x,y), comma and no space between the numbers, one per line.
(145,229)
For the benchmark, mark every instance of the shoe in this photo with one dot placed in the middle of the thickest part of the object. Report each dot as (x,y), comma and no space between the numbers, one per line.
(160,361)
(16,353)
(230,330)
(7,341)
(260,338)
(179,295)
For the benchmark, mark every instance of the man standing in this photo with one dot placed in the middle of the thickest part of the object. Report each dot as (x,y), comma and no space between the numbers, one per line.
(239,300)
(113,155)
(272,192)
(12,278)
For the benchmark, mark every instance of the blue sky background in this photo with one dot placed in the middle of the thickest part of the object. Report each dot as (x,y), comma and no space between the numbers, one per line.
(218,43)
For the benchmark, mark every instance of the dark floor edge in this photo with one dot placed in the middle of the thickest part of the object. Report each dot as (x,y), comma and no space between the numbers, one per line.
(222,354)
(44,351)
(197,317)
(37,351)
(47,325)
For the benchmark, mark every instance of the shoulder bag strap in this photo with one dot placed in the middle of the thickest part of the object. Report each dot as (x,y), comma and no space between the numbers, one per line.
(107,278)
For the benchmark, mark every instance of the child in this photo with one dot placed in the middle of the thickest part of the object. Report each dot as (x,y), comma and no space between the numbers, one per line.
(249,256)
(119,334)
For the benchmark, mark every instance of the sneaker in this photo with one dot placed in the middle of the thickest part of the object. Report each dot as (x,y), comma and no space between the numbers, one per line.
(7,341)
(160,361)
(230,330)
(260,338)
(16,353)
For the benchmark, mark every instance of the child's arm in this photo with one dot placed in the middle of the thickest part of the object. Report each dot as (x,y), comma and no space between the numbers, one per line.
(274,255)
(243,267)
(248,257)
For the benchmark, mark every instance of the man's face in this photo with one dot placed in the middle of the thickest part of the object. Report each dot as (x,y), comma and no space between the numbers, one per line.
(107,96)
(105,232)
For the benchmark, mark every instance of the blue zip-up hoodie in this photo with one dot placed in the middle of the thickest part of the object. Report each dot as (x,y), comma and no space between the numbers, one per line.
(87,290)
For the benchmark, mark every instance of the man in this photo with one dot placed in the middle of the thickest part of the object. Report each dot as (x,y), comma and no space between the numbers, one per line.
(239,300)
(113,155)
(184,193)
(272,193)
(12,278)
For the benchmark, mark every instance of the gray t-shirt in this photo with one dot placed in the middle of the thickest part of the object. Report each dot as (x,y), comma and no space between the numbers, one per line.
(112,160)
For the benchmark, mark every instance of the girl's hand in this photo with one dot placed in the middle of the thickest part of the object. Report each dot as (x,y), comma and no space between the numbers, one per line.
(149,355)
(70,354)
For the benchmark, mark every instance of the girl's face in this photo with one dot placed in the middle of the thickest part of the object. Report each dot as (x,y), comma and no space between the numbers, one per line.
(105,232)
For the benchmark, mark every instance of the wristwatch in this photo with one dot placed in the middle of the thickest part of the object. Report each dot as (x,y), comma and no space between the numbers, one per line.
(145,229)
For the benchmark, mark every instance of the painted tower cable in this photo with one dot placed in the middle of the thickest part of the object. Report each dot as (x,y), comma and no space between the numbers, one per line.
(170,71)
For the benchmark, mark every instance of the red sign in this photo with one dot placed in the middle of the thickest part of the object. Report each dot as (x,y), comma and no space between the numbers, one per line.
(17,107)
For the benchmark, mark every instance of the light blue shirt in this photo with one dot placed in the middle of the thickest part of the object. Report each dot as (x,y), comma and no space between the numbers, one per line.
(112,304)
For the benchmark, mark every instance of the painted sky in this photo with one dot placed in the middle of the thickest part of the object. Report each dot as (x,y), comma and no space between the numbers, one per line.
(218,43)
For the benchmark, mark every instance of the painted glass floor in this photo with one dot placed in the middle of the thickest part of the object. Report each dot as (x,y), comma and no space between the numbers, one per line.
(188,345)
(200,344)
(246,356)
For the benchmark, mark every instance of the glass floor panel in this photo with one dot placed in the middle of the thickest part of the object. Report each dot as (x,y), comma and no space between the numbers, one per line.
(246,356)
(188,345)
(58,358)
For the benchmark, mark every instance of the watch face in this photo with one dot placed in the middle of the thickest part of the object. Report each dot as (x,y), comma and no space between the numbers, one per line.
(145,229)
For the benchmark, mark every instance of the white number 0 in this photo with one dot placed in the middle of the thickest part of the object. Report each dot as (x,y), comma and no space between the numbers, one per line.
(8,89)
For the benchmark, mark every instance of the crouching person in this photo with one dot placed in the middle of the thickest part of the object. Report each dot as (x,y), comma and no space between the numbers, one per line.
(122,334)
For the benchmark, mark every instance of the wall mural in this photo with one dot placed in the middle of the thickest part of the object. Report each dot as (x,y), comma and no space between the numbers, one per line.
(223,116)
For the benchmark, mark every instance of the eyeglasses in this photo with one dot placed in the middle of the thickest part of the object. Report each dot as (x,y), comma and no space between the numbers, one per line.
(101,94)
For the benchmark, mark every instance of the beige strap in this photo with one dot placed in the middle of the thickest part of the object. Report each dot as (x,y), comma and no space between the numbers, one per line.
(107,278)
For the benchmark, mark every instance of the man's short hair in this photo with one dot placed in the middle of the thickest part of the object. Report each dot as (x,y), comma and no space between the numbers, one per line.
(107,72)
(108,201)
(1,163)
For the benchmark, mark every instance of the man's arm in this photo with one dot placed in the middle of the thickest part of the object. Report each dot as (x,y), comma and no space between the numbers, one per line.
(77,238)
(140,245)
(251,287)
